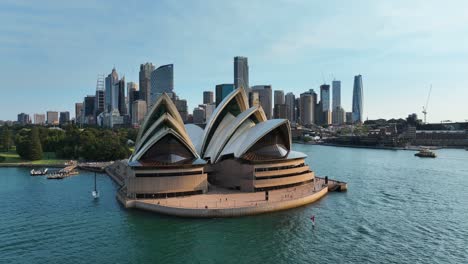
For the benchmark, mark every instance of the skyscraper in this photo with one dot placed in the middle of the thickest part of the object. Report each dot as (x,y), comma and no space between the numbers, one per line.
(338,113)
(64,117)
(290,102)
(78,113)
(241,72)
(198,115)
(280,111)
(207,97)
(145,81)
(336,89)
(357,99)
(254,99)
(100,103)
(52,118)
(265,94)
(279,97)
(88,109)
(132,95)
(162,81)
(111,93)
(325,102)
(122,105)
(182,107)
(39,119)
(222,90)
(138,111)
(306,109)
(23,119)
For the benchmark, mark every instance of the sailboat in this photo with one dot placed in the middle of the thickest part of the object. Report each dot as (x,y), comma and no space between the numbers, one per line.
(95,192)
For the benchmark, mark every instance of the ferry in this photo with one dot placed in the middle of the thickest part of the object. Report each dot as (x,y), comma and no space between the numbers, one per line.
(425,153)
(38,172)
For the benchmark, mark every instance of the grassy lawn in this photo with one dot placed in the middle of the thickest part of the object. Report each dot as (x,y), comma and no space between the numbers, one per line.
(48,158)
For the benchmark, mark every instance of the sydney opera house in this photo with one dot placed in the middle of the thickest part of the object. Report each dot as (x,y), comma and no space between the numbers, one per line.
(238,150)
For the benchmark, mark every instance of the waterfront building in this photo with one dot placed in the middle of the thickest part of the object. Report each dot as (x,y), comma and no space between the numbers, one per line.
(79,113)
(357,100)
(208,97)
(39,119)
(145,81)
(240,148)
(290,100)
(52,118)
(222,90)
(64,117)
(162,81)
(241,72)
(138,112)
(23,119)
(336,99)
(307,109)
(198,115)
(265,98)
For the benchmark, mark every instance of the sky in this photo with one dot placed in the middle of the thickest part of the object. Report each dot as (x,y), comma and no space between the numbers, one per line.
(51,52)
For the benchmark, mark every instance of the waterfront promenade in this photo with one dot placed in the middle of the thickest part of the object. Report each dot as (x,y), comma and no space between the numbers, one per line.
(219,202)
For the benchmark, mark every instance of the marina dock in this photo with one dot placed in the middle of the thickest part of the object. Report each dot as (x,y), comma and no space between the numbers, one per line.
(68,171)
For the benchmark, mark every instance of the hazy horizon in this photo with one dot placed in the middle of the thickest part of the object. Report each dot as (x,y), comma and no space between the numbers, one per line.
(53,51)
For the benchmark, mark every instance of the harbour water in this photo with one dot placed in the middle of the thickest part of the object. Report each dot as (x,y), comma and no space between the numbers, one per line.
(398,209)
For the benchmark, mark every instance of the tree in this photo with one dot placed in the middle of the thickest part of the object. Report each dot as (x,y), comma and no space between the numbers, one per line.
(35,151)
(22,143)
(6,139)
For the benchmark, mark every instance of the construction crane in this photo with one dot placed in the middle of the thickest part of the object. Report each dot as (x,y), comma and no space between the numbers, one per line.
(425,107)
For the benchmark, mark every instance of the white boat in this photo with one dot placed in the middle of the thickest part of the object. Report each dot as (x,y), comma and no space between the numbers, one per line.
(38,172)
(95,193)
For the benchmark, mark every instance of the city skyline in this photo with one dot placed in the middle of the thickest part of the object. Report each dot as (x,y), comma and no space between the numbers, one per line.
(394,61)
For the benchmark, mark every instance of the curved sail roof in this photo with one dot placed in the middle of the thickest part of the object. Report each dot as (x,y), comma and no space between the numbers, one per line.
(240,145)
(196,135)
(163,105)
(234,103)
(164,120)
(158,136)
(224,133)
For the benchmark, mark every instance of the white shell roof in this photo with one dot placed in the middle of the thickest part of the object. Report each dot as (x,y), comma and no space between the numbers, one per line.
(171,109)
(238,146)
(196,135)
(164,118)
(158,136)
(225,132)
(240,97)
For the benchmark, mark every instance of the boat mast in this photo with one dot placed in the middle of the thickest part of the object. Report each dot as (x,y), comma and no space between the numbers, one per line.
(95,181)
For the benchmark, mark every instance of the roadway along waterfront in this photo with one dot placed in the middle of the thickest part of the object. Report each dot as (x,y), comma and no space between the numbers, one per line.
(398,209)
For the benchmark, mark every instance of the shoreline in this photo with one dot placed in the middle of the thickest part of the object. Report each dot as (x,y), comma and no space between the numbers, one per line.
(410,148)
